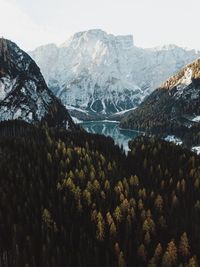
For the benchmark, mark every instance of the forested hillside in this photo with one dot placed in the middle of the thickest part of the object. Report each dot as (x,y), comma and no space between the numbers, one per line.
(173,108)
(75,199)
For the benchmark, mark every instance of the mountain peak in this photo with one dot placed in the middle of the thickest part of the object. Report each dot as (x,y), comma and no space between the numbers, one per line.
(3,45)
(95,35)
(91,32)
(166,47)
(5,49)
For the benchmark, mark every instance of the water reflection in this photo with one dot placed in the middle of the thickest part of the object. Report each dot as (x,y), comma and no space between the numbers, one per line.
(112,129)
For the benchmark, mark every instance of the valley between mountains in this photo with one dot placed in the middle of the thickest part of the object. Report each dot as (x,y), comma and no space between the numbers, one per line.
(69,193)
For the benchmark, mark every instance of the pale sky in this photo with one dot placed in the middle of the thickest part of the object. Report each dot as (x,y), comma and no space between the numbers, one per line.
(31,23)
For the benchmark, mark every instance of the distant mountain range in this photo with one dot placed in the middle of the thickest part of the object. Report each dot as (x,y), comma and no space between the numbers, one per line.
(96,74)
(23,92)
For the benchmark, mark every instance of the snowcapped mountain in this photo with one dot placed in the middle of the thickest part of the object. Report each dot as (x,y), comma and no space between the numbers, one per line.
(23,91)
(102,74)
(174,108)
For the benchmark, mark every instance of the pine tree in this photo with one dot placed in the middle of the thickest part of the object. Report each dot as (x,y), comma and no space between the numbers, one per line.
(170,256)
(158,252)
(142,254)
(193,262)
(121,261)
(184,248)
(117,214)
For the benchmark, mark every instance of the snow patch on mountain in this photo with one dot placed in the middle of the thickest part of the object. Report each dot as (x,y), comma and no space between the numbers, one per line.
(196,119)
(187,79)
(7,84)
(75,120)
(173,139)
(196,149)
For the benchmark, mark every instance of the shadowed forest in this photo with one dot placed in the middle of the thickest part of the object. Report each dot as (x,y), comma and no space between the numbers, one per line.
(75,199)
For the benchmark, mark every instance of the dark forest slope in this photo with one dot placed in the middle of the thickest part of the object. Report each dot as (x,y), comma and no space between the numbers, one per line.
(74,199)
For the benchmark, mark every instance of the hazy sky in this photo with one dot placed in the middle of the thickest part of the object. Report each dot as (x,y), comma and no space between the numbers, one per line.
(31,23)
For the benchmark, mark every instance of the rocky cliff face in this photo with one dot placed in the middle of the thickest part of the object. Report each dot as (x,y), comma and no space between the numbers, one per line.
(23,92)
(104,74)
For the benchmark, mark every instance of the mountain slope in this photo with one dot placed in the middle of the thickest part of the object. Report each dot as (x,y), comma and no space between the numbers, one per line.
(172,108)
(23,91)
(105,74)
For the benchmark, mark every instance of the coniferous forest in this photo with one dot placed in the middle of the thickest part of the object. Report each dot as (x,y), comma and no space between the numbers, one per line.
(75,199)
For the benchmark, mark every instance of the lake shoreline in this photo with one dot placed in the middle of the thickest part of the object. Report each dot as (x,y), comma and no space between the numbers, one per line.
(120,136)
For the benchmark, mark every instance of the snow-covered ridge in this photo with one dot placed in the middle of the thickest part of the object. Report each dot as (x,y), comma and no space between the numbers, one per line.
(121,41)
(106,74)
(184,77)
